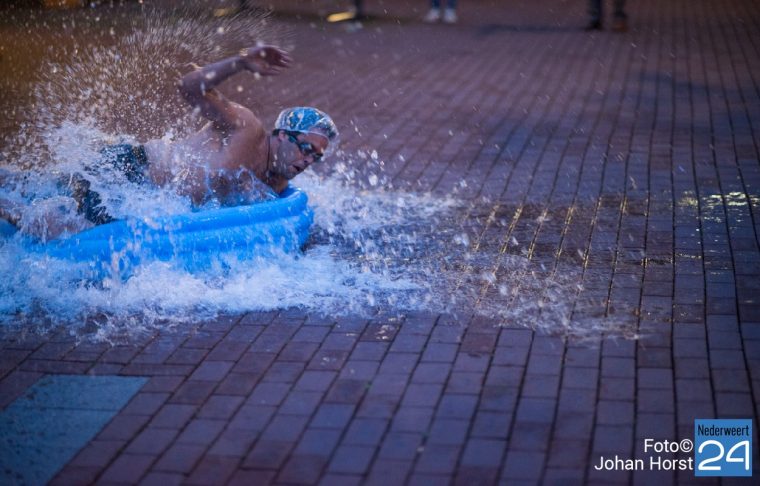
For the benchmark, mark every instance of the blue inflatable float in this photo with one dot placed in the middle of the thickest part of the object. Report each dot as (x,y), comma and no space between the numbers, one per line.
(192,241)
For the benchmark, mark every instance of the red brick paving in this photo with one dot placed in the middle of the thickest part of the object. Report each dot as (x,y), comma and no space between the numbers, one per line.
(643,147)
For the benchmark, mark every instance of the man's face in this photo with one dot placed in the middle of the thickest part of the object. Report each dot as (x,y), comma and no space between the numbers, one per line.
(297,151)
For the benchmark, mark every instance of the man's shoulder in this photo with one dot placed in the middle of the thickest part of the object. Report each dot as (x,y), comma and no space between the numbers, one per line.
(245,114)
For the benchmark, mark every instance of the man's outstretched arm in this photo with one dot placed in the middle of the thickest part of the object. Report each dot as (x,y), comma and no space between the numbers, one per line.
(198,86)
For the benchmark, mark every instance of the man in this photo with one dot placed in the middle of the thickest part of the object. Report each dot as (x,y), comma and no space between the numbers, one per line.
(224,160)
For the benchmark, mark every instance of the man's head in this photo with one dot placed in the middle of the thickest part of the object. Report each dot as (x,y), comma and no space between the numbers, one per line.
(304,134)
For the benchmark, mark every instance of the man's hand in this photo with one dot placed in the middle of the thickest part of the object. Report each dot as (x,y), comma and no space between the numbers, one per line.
(265,60)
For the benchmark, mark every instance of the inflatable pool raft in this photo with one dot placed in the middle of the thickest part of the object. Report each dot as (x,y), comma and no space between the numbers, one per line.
(192,241)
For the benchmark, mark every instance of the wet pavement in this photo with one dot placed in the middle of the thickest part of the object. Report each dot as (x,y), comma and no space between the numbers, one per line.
(628,161)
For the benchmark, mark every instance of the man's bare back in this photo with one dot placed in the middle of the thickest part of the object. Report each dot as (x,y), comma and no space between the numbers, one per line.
(208,164)
(232,147)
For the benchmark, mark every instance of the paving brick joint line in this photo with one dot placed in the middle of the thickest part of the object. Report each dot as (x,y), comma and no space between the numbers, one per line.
(630,160)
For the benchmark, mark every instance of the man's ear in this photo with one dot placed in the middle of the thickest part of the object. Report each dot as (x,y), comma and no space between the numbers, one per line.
(281,135)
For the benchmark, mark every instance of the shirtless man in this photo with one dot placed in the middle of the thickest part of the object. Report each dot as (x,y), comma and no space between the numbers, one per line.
(224,160)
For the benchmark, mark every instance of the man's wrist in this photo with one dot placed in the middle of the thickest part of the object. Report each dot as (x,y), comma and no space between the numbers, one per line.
(247,65)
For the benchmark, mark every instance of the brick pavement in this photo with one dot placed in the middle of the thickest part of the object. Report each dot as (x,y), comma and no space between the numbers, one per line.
(633,157)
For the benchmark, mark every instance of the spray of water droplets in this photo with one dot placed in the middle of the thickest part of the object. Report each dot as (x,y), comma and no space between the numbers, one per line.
(122,81)
(374,249)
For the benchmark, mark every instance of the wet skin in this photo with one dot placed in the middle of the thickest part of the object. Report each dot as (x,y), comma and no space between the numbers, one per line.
(233,146)
(213,164)
(224,156)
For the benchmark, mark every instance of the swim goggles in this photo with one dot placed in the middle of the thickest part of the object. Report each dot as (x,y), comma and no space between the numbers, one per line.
(306,148)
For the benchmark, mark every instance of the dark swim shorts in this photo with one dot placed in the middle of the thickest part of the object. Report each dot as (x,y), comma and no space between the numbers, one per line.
(129,160)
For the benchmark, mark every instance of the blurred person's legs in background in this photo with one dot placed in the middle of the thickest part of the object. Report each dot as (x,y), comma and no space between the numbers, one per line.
(359,10)
(620,22)
(595,11)
(449,14)
(595,14)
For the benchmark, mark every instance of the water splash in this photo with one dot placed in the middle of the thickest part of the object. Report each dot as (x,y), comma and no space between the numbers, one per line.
(103,84)
(374,250)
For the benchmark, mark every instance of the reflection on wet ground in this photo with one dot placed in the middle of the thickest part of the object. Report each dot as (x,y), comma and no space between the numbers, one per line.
(524,265)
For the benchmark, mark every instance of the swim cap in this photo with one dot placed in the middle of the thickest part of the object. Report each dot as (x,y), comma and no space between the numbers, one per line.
(305,119)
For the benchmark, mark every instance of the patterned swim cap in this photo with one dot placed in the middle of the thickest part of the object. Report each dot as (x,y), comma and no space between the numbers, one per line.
(306,120)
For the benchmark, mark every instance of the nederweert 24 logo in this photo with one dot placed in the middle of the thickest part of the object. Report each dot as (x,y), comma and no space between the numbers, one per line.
(723,447)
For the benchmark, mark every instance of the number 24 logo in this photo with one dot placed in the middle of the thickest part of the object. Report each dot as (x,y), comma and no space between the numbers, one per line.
(729,457)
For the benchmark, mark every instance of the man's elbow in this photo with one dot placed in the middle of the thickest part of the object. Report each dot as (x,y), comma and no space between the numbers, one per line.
(191,81)
(189,90)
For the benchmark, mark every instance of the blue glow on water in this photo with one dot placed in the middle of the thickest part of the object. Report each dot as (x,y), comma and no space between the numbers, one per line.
(343,271)
(373,249)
